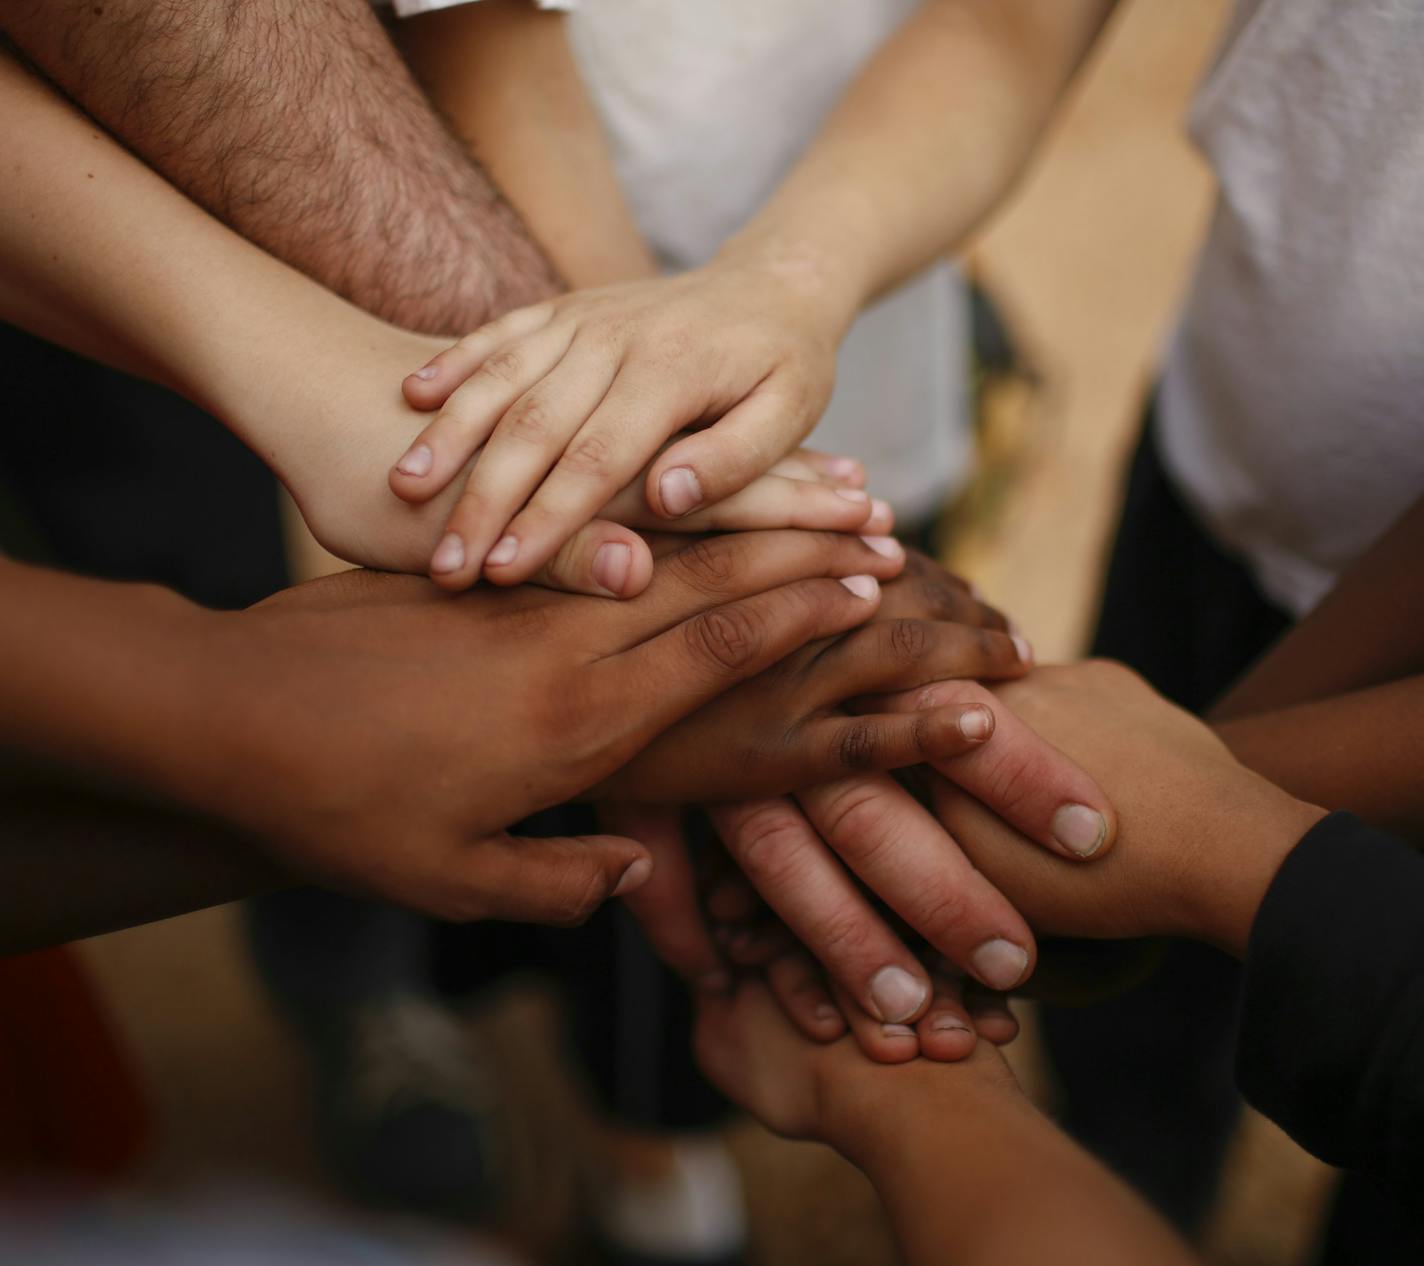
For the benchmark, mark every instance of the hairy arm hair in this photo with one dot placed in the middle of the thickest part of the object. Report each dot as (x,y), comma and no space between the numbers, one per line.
(297,123)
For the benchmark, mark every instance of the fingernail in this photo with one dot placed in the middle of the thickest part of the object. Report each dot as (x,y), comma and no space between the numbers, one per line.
(425,374)
(634,877)
(1079,829)
(975,592)
(449,555)
(712,981)
(843,467)
(999,963)
(1024,649)
(826,1012)
(948,1024)
(503,552)
(897,1030)
(853,494)
(679,490)
(610,566)
(862,586)
(897,995)
(417,461)
(881,510)
(976,723)
(885,546)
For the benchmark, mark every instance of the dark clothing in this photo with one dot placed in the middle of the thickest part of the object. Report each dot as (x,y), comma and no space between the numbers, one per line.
(1332,1025)
(1154,1064)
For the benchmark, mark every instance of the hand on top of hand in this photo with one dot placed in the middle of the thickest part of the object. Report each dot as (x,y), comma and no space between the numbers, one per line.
(569,401)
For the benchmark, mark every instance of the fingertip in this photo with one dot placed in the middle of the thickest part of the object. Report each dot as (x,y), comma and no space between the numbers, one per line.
(634,876)
(1081,831)
(946,1039)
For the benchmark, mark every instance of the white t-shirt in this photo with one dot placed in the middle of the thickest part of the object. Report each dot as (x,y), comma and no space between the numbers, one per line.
(707,104)
(1292,406)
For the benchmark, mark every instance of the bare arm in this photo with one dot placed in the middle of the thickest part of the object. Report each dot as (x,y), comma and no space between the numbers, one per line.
(295,122)
(1310,715)
(504,75)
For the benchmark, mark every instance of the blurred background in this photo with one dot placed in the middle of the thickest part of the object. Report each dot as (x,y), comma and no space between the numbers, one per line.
(205,1098)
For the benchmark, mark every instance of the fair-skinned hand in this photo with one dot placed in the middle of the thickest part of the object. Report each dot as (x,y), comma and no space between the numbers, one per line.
(407,728)
(1200,836)
(808,857)
(572,399)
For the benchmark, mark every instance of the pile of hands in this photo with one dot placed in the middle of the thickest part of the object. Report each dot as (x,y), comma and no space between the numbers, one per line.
(777,656)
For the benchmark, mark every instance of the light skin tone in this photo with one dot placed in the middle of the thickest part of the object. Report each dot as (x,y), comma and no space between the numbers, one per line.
(572,397)
(101,254)
(968,1170)
(504,74)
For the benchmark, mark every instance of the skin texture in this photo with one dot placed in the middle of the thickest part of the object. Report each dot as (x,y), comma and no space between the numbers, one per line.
(1200,837)
(101,254)
(345,714)
(331,158)
(1308,716)
(572,396)
(970,1173)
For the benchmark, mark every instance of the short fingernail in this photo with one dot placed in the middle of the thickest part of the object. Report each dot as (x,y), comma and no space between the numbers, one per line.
(503,553)
(826,1013)
(897,995)
(713,981)
(853,494)
(976,723)
(426,373)
(881,510)
(634,877)
(611,564)
(679,490)
(896,1030)
(885,546)
(862,586)
(1000,964)
(948,1024)
(1023,648)
(417,461)
(843,467)
(1079,829)
(449,555)
(975,592)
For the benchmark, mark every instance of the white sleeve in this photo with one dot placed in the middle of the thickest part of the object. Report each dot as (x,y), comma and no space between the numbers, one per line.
(409,8)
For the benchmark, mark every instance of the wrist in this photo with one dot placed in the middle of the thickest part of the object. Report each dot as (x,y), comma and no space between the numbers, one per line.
(814,275)
(1255,831)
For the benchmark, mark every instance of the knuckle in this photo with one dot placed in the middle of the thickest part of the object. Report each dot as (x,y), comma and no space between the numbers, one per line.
(709,564)
(504,366)
(577,894)
(767,839)
(858,745)
(1009,784)
(941,910)
(855,813)
(528,421)
(843,936)
(589,455)
(906,639)
(728,638)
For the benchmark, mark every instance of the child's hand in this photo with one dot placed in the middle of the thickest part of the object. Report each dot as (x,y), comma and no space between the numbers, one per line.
(573,397)
(811,1090)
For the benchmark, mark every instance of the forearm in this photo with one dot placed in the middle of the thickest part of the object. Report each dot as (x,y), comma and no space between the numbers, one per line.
(330,157)
(1362,751)
(974,1175)
(928,140)
(1368,630)
(503,74)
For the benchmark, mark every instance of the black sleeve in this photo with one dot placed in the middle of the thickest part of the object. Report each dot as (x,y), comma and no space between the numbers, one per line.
(1332,1025)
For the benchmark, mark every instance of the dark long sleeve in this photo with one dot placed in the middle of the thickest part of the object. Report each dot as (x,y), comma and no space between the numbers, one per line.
(1332,1025)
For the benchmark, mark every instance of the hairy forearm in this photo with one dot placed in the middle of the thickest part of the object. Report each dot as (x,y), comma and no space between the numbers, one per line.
(927,141)
(1362,751)
(295,122)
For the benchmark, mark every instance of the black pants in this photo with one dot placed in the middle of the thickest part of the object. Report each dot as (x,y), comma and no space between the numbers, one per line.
(1147,1076)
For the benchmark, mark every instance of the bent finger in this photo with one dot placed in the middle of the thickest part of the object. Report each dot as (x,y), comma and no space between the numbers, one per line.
(798,985)
(603,559)
(945,1031)
(430,386)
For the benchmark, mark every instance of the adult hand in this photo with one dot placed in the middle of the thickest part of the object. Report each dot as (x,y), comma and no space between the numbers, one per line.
(1200,836)
(383,734)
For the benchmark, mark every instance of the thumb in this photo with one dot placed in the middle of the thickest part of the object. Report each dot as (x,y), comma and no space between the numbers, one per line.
(558,880)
